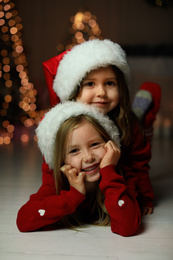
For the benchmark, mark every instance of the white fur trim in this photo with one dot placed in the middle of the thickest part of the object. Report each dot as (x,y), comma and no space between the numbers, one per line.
(84,58)
(48,127)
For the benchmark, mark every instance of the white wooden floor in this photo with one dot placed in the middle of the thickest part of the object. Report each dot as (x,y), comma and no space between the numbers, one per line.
(20,176)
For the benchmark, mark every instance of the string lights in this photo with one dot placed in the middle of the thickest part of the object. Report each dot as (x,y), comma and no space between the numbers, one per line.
(17,93)
(15,86)
(84,26)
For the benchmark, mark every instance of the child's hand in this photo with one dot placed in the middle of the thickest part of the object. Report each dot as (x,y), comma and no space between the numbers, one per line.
(146,211)
(75,179)
(111,156)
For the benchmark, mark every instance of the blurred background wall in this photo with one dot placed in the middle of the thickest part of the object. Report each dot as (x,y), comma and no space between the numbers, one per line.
(144,28)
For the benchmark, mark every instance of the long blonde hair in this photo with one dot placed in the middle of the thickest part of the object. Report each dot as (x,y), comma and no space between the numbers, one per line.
(61,181)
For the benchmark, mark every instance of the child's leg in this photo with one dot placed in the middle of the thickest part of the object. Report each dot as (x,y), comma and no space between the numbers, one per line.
(146,105)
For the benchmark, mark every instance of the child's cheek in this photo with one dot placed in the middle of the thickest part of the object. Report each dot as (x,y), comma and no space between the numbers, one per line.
(74,162)
(103,152)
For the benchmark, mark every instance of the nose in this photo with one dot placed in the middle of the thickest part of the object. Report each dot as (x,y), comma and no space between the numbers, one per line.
(88,157)
(101,92)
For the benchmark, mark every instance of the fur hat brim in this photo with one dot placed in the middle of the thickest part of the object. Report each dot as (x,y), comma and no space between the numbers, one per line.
(50,124)
(84,58)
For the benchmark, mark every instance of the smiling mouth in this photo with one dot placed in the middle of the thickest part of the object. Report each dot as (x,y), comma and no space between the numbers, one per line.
(91,168)
(101,103)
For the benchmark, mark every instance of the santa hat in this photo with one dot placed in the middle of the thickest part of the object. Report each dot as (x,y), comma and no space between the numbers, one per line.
(84,58)
(50,68)
(50,124)
(65,72)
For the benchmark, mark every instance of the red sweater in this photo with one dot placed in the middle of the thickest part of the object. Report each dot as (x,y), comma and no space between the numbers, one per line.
(135,161)
(45,207)
(135,158)
(123,195)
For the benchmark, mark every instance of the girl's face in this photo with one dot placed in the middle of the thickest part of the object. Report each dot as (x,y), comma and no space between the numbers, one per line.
(100,89)
(85,150)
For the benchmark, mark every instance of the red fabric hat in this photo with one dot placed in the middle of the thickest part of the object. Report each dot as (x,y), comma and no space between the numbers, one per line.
(65,72)
(82,59)
(50,68)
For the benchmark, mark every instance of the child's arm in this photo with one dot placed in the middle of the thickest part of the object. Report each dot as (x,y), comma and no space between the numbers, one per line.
(137,157)
(121,205)
(45,207)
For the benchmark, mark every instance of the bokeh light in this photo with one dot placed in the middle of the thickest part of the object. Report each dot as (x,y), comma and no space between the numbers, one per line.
(84,26)
(11,26)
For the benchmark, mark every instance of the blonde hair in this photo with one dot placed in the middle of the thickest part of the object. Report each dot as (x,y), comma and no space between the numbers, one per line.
(61,181)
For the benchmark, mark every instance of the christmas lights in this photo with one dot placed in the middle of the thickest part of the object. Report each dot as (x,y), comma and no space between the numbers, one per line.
(84,26)
(17,93)
(15,87)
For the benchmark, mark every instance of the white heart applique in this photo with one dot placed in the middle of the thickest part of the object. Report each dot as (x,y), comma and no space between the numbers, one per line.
(120,203)
(42,212)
